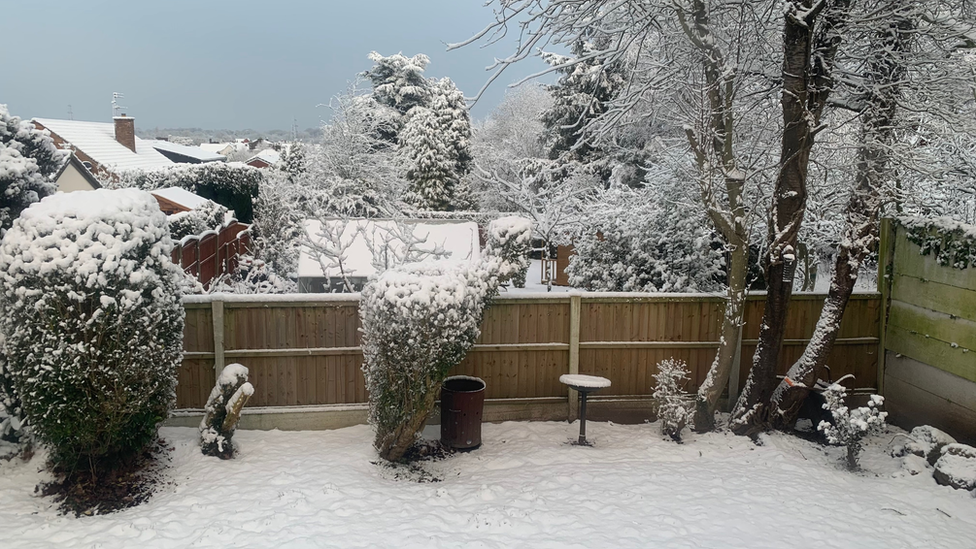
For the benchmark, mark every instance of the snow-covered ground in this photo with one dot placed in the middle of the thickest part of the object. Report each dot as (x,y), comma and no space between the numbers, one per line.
(525,487)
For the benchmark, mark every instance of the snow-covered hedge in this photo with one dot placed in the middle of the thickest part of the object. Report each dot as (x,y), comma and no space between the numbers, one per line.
(510,239)
(207,217)
(93,325)
(419,321)
(234,185)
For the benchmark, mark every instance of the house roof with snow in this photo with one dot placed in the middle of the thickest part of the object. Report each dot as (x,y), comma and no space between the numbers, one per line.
(184,153)
(97,141)
(458,238)
(269,157)
(178,199)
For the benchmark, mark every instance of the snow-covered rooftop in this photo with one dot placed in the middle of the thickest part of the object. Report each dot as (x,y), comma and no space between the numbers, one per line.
(185,150)
(270,156)
(458,238)
(181,196)
(97,140)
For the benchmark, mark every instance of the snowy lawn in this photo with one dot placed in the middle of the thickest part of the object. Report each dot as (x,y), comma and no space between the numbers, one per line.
(525,487)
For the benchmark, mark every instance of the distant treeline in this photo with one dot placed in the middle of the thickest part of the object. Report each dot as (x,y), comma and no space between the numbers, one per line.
(201,135)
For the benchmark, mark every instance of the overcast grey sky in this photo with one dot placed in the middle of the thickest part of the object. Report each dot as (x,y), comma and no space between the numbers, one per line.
(227,65)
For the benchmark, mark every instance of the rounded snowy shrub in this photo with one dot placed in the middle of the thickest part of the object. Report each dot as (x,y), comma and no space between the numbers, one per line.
(419,321)
(510,239)
(92,320)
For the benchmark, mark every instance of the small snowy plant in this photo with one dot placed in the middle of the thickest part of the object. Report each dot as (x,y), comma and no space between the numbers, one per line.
(92,323)
(851,426)
(419,321)
(223,411)
(510,239)
(12,429)
(673,405)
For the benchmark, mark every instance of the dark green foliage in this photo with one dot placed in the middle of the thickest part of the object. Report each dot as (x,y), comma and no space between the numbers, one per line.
(232,186)
(953,244)
(92,346)
(419,321)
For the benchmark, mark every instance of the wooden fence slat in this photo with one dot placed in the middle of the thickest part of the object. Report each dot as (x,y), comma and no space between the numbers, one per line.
(910,262)
(305,352)
(935,295)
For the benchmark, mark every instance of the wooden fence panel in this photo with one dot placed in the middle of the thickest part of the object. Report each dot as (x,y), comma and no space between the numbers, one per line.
(933,311)
(308,352)
(856,349)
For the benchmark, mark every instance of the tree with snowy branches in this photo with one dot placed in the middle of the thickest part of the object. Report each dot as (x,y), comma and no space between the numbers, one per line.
(28,159)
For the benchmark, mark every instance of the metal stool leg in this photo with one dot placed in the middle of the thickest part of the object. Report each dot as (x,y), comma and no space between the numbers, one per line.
(582,436)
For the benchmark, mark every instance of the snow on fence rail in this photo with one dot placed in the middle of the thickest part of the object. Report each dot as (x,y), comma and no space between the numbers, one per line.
(305,351)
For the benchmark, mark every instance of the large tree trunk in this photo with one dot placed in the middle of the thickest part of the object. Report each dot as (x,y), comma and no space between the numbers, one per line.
(881,91)
(806,86)
(718,375)
(714,152)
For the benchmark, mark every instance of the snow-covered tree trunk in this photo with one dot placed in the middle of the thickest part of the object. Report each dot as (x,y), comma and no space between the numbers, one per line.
(223,411)
(718,135)
(718,374)
(881,90)
(809,49)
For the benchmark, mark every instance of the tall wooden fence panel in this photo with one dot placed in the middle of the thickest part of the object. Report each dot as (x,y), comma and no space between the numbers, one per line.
(305,350)
(930,338)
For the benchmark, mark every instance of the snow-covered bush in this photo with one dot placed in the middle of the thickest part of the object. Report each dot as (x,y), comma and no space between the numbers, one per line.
(207,217)
(674,405)
(645,240)
(12,428)
(223,411)
(252,276)
(93,325)
(27,158)
(510,239)
(234,186)
(419,321)
(851,426)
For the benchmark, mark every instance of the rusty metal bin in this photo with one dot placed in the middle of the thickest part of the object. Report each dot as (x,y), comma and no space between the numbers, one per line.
(462,404)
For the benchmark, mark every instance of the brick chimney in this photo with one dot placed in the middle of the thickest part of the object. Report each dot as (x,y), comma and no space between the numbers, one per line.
(125,131)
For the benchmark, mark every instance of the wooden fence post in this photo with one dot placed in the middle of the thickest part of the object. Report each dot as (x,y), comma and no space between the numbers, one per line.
(217,306)
(886,253)
(575,306)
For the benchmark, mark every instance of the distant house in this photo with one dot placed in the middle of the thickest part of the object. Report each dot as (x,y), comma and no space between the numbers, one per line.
(185,154)
(74,176)
(104,148)
(264,159)
(317,274)
(173,200)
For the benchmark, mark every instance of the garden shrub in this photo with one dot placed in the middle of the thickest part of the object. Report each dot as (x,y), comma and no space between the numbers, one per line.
(510,239)
(851,426)
(209,216)
(674,406)
(91,315)
(419,321)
